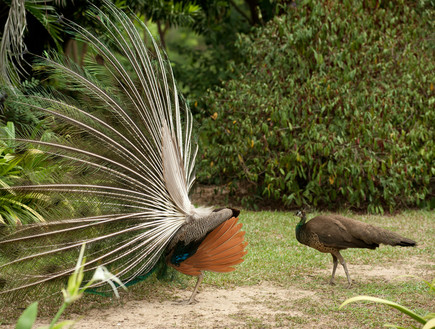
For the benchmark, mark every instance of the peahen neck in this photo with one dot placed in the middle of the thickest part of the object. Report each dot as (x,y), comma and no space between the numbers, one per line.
(300,225)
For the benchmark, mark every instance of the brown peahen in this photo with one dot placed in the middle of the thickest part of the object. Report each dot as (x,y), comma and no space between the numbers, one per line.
(332,233)
(130,156)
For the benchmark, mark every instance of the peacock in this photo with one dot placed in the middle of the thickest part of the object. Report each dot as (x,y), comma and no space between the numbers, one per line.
(332,233)
(128,158)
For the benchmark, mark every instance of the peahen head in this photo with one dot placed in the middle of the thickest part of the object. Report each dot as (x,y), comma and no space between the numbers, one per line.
(301,213)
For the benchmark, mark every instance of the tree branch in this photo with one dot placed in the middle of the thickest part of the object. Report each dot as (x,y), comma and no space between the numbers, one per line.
(251,22)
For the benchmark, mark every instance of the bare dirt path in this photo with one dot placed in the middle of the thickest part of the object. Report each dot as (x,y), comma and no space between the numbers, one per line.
(218,308)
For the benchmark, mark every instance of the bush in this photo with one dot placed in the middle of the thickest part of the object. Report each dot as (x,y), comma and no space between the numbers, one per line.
(334,107)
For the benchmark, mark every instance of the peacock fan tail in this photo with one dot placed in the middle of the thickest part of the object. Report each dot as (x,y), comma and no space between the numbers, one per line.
(128,158)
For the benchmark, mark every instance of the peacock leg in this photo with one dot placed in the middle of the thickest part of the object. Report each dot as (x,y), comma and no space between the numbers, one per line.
(192,299)
(195,291)
(334,268)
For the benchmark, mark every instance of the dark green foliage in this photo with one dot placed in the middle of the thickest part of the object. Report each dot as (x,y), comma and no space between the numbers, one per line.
(174,13)
(26,166)
(15,208)
(218,24)
(24,121)
(334,107)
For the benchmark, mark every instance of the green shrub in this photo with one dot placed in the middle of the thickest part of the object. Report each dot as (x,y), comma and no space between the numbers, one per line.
(334,107)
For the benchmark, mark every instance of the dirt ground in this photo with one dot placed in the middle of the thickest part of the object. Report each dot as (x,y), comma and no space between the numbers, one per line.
(217,308)
(228,308)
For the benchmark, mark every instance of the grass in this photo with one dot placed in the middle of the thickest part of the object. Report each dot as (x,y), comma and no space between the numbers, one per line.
(274,256)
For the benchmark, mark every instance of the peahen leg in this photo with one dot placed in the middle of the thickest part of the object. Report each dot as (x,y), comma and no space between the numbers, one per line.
(334,268)
(343,263)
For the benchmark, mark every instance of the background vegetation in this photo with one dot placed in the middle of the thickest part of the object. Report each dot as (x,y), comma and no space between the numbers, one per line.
(333,106)
(327,104)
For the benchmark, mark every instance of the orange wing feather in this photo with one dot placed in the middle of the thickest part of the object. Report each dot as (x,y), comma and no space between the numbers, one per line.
(223,248)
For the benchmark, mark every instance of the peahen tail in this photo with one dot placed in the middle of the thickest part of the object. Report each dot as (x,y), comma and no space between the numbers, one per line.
(128,158)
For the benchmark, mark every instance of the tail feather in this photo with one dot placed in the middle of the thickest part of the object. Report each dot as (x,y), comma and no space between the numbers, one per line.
(231,250)
(130,156)
(363,235)
(404,242)
(226,244)
(382,236)
(130,160)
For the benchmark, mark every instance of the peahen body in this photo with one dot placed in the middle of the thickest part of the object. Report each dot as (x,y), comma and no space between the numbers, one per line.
(130,159)
(332,233)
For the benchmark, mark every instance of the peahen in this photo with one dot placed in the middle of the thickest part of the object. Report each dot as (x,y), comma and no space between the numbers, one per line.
(130,159)
(332,233)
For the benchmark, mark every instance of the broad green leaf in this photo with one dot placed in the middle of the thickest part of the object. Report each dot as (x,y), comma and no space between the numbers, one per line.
(430,324)
(28,317)
(399,307)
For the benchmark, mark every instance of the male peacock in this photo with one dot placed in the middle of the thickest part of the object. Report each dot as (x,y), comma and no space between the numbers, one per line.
(130,159)
(330,234)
